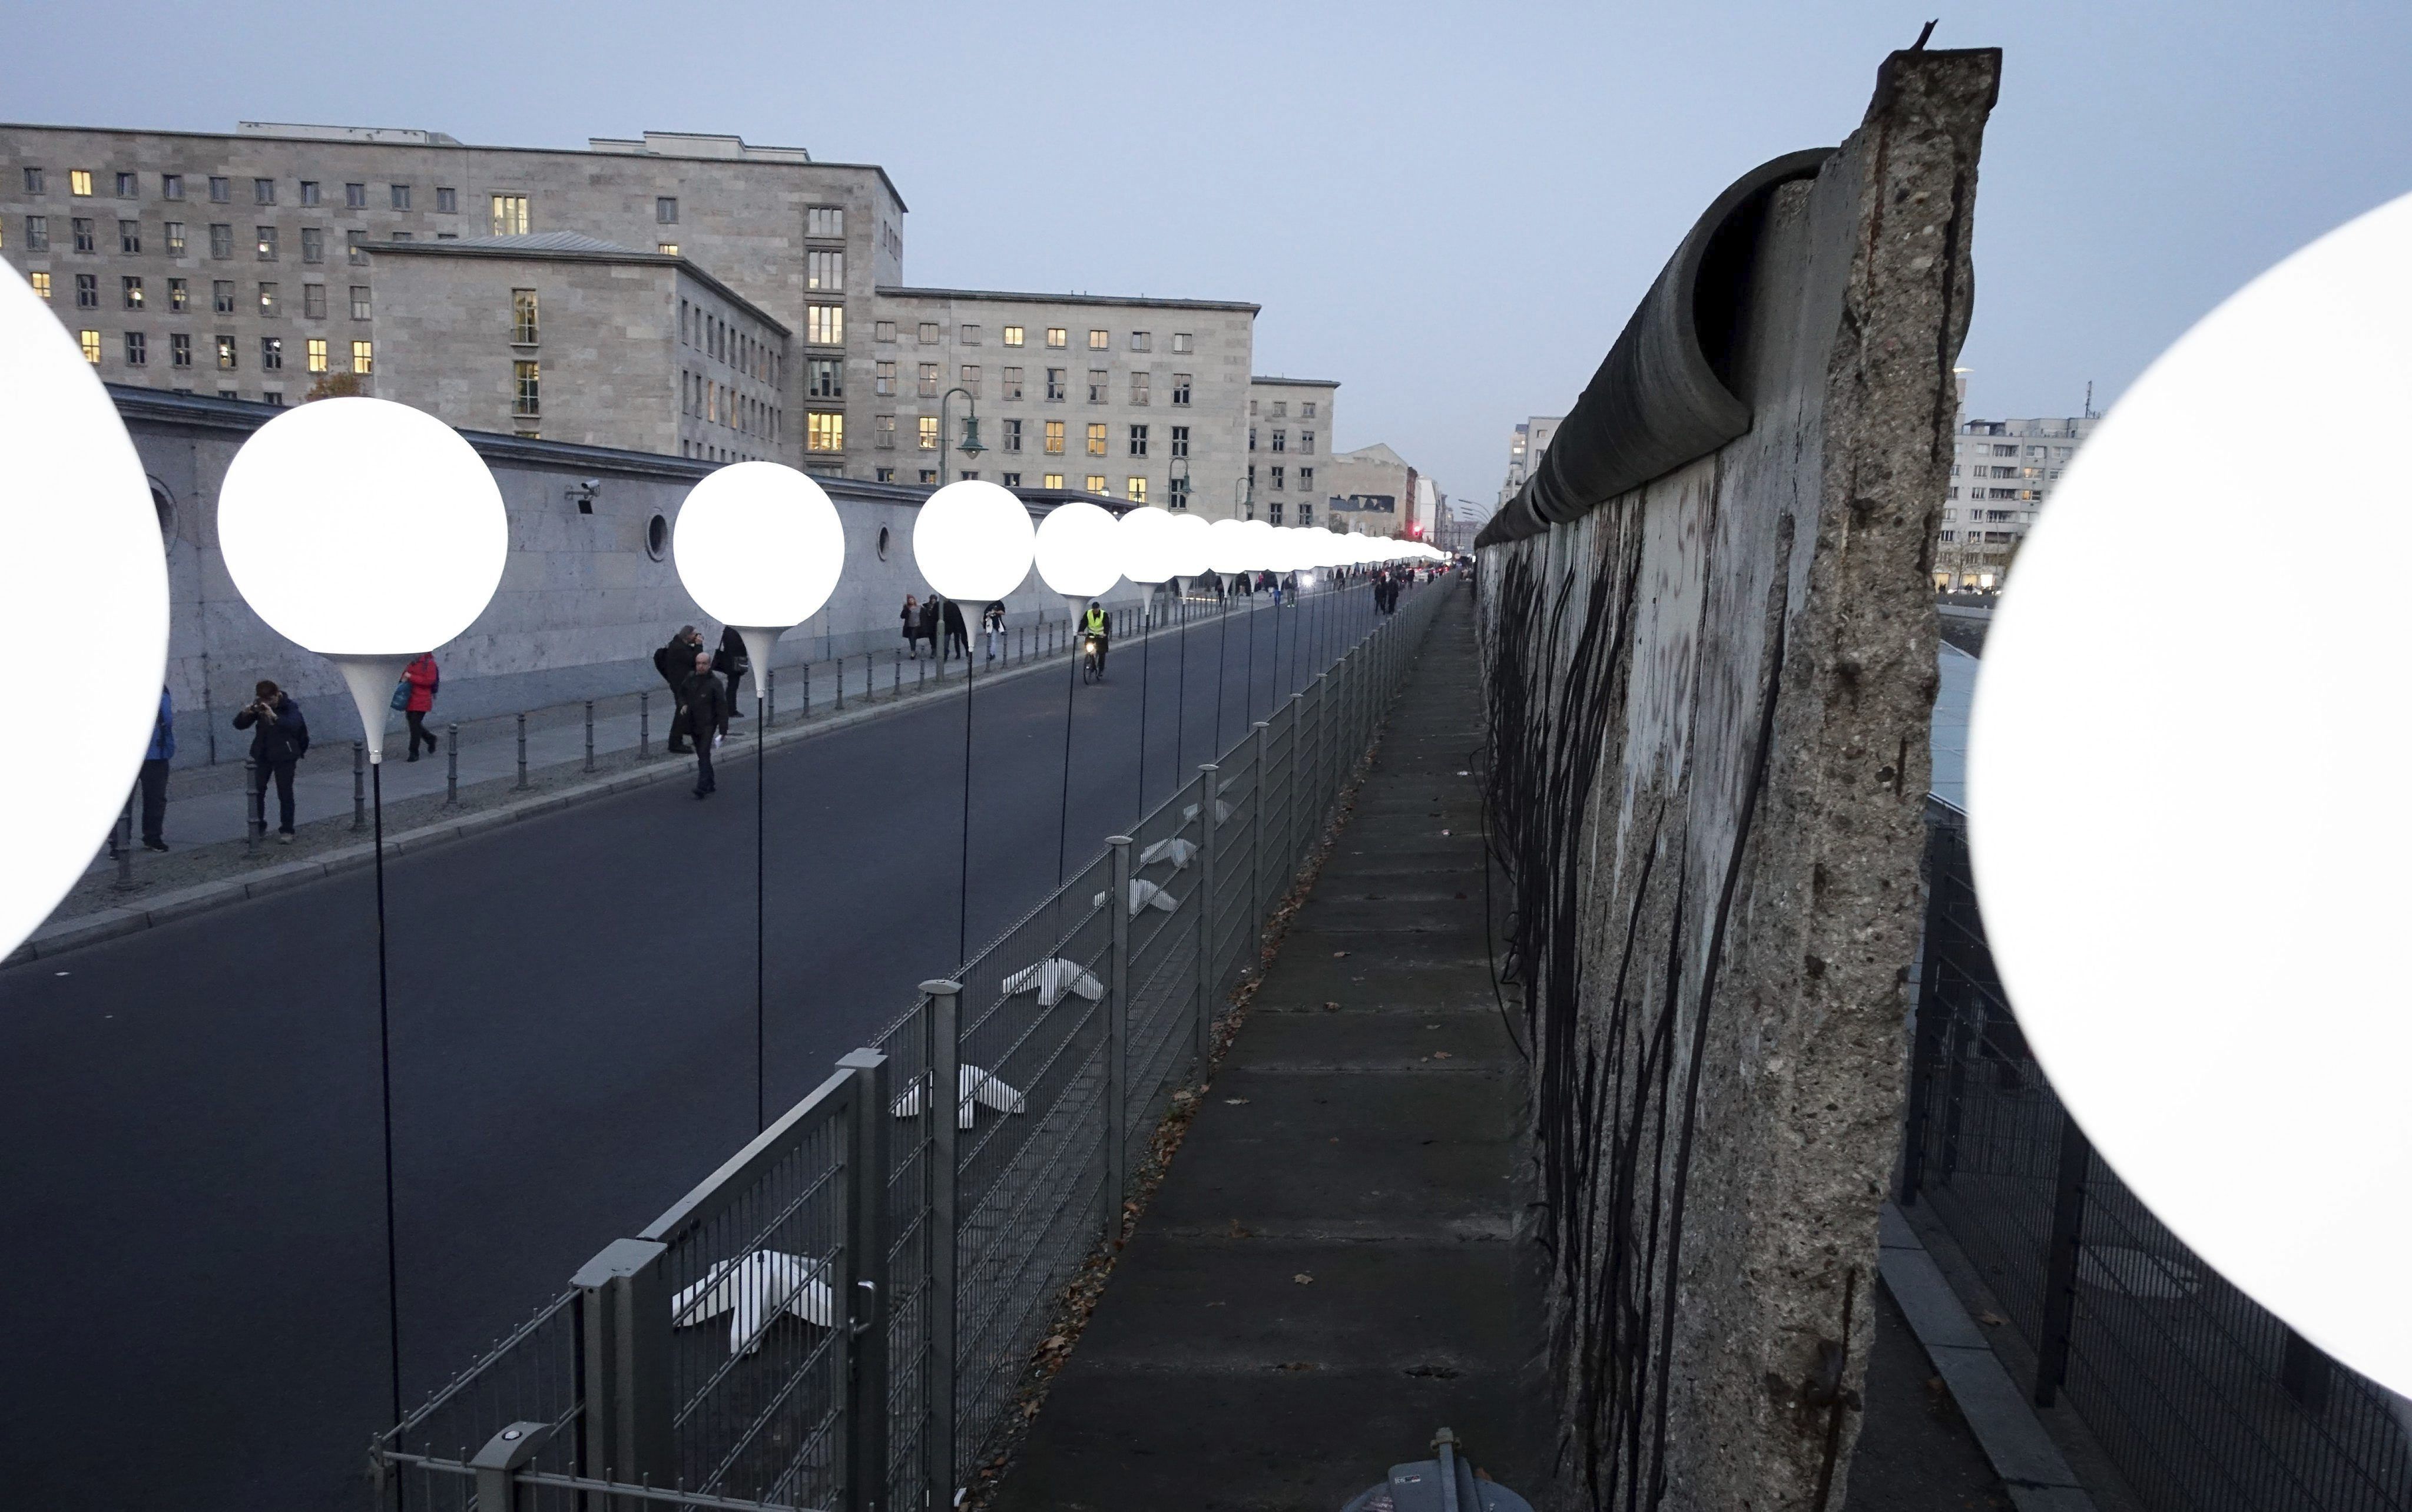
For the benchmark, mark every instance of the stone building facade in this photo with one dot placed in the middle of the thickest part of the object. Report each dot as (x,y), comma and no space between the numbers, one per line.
(1289,440)
(563,336)
(1140,399)
(1372,490)
(1525,447)
(2002,473)
(207,263)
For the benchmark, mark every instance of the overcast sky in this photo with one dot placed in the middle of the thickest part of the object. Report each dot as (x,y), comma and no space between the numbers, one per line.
(1451,209)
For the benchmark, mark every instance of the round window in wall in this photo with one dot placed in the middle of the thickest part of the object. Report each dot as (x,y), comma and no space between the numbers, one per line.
(883,543)
(658,537)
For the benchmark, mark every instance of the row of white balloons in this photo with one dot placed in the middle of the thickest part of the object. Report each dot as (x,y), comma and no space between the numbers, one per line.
(367,532)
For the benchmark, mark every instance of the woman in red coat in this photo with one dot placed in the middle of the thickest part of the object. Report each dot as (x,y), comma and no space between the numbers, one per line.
(421,676)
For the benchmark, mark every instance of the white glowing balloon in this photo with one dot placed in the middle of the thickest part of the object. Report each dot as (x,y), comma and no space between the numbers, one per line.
(1227,546)
(2192,855)
(361,527)
(759,543)
(1144,540)
(1260,545)
(1078,550)
(83,567)
(1189,548)
(974,541)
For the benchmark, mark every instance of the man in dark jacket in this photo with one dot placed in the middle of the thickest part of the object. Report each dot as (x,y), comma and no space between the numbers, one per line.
(930,622)
(707,718)
(154,773)
(730,662)
(675,661)
(958,633)
(278,738)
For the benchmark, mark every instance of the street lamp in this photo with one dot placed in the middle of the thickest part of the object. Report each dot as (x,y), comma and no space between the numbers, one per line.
(83,552)
(971,443)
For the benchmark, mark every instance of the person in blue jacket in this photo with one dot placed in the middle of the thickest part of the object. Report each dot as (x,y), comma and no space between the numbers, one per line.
(154,773)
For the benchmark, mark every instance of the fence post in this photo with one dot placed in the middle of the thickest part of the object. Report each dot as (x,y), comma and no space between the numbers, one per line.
(808,691)
(360,784)
(866,677)
(1926,1032)
(1258,904)
(590,735)
(943,1105)
(2060,1261)
(1207,974)
(1294,842)
(769,698)
(254,807)
(452,764)
(839,664)
(626,1315)
(497,1464)
(1117,1030)
(866,1242)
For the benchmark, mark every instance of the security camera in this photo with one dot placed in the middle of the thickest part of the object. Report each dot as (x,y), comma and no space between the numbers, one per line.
(590,485)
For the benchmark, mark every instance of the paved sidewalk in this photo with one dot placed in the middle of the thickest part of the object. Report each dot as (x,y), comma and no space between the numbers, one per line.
(1329,1271)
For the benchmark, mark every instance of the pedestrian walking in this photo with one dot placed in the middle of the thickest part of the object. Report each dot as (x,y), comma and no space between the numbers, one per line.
(930,622)
(707,719)
(910,619)
(958,635)
(154,773)
(675,661)
(280,739)
(420,680)
(993,621)
(730,662)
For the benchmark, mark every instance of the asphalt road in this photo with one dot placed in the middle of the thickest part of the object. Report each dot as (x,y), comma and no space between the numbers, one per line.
(194,1272)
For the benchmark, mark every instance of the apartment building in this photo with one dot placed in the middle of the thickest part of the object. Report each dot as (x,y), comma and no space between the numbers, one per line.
(1139,400)
(1289,436)
(2003,472)
(1372,490)
(1525,447)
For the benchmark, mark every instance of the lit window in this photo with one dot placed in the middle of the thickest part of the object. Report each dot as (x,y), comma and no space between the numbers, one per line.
(317,353)
(226,353)
(825,325)
(1098,440)
(1055,335)
(1138,440)
(1181,388)
(825,269)
(824,432)
(268,304)
(522,317)
(80,182)
(1097,484)
(1052,481)
(824,220)
(1013,335)
(355,248)
(266,242)
(132,292)
(928,427)
(1100,340)
(1135,489)
(1181,341)
(42,284)
(272,353)
(91,341)
(528,388)
(668,249)
(510,214)
(363,359)
(180,351)
(359,302)
(1055,439)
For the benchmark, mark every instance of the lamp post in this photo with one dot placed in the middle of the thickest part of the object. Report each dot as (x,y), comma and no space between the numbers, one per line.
(971,445)
(83,550)
(314,518)
(759,547)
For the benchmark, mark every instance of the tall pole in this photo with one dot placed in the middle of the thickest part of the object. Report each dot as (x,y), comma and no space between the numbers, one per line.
(963,877)
(1222,657)
(1146,651)
(384,1093)
(1064,801)
(761,1076)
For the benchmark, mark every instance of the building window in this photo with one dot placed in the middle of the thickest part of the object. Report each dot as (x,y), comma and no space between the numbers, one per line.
(1139,389)
(824,432)
(1252,409)
(523,317)
(528,388)
(1306,485)
(180,351)
(363,357)
(969,376)
(1097,439)
(927,333)
(825,269)
(1181,341)
(268,300)
(824,220)
(314,354)
(1181,388)
(825,325)
(1138,440)
(86,239)
(137,350)
(1098,380)
(1252,438)
(1306,442)
(883,379)
(90,341)
(226,353)
(38,233)
(447,202)
(1013,436)
(665,210)
(1306,410)
(309,191)
(825,378)
(42,284)
(667,249)
(928,428)
(1100,341)
(885,438)
(1177,495)
(968,335)
(130,291)
(1050,481)
(129,236)
(1097,484)
(883,331)
(928,474)
(221,241)
(1135,489)
(1281,439)
(1012,480)
(1181,441)
(359,302)
(263,191)
(356,251)
(1305,510)
(356,197)
(179,297)
(510,213)
(80,184)
(883,474)
(313,244)
(266,242)
(220,189)
(272,353)
(1277,478)
(1273,512)
(34,182)
(1055,336)
(88,291)
(1055,441)
(1141,341)
(222,296)
(1055,378)
(929,380)
(1013,335)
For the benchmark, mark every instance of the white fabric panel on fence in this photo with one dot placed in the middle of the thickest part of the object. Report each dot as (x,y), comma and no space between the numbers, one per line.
(1054,977)
(1143,895)
(754,1291)
(975,1089)
(1173,849)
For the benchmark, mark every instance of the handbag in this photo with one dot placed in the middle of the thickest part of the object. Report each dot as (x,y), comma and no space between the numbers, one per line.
(401,695)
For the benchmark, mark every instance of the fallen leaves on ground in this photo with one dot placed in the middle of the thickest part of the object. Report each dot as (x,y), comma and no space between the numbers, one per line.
(1304,1279)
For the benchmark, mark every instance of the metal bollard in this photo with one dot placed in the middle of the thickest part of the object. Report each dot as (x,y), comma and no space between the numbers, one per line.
(896,682)
(360,784)
(840,665)
(921,674)
(121,836)
(866,677)
(644,730)
(255,821)
(770,698)
(808,690)
(523,740)
(452,766)
(590,735)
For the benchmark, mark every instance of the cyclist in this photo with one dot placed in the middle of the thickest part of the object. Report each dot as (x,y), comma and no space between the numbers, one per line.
(1092,622)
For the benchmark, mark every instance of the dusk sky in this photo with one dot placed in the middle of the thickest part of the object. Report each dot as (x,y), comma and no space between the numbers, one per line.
(1451,210)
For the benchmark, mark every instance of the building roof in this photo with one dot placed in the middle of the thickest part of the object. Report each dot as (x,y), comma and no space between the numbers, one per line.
(570,246)
(1297,383)
(894,291)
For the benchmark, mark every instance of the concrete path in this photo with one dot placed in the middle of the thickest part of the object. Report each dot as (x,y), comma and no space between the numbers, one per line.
(1329,1271)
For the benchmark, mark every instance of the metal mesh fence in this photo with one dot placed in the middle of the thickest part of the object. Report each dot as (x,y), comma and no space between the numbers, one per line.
(2206,1401)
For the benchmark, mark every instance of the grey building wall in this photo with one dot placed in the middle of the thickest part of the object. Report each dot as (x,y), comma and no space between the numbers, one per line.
(585,596)
(2003,472)
(969,329)
(742,212)
(1290,447)
(1367,473)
